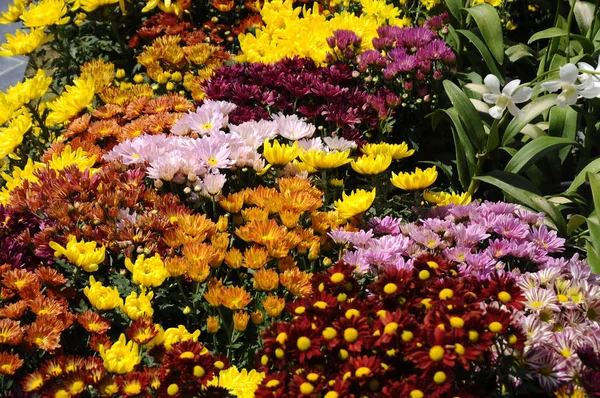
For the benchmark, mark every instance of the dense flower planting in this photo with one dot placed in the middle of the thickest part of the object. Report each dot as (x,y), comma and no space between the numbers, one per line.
(300,199)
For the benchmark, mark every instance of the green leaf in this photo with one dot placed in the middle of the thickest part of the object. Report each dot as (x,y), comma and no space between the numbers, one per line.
(547,34)
(586,44)
(576,221)
(468,114)
(584,15)
(595,185)
(487,20)
(591,167)
(454,7)
(563,123)
(593,258)
(484,51)
(518,51)
(530,112)
(534,150)
(465,154)
(529,199)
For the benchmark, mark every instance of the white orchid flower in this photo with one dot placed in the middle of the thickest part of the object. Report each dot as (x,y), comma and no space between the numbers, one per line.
(510,95)
(586,77)
(570,92)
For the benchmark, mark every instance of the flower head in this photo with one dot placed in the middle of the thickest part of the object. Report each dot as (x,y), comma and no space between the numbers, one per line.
(371,164)
(83,254)
(22,43)
(415,181)
(278,154)
(102,297)
(357,202)
(121,357)
(569,90)
(149,272)
(511,94)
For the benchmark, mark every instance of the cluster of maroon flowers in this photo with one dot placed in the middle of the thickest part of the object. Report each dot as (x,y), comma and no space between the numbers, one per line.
(426,332)
(326,96)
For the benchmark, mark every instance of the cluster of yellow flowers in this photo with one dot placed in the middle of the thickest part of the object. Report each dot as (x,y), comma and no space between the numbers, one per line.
(290,31)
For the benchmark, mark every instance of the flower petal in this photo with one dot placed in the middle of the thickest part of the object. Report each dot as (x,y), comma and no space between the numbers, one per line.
(552,86)
(490,98)
(522,95)
(492,83)
(511,87)
(512,108)
(568,73)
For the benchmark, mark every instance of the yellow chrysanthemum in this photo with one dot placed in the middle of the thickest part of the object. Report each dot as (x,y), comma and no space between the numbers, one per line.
(415,181)
(100,72)
(493,3)
(325,160)
(73,100)
(23,43)
(372,164)
(136,305)
(357,202)
(102,297)
(12,136)
(429,4)
(7,108)
(68,158)
(396,151)
(29,90)
(14,12)
(121,357)
(45,13)
(83,254)
(149,272)
(444,198)
(17,178)
(243,384)
(278,154)
(177,335)
(91,5)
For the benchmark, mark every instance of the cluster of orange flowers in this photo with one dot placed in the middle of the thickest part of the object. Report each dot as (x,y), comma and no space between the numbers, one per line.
(168,62)
(36,293)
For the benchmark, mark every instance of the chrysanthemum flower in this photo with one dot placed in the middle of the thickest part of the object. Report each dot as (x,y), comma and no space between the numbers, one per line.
(278,154)
(176,335)
(296,282)
(325,160)
(134,383)
(273,305)
(136,306)
(43,334)
(22,43)
(10,363)
(83,254)
(50,276)
(212,324)
(415,181)
(91,5)
(11,332)
(45,13)
(149,272)
(102,297)
(266,279)
(357,202)
(243,384)
(235,297)
(13,310)
(240,320)
(32,381)
(14,12)
(371,164)
(93,322)
(73,100)
(121,357)
(396,151)
(19,279)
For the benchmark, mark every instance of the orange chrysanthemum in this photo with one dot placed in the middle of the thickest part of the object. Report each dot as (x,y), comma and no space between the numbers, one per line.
(266,279)
(233,258)
(197,226)
(252,214)
(220,241)
(296,282)
(93,322)
(50,276)
(261,196)
(14,310)
(290,218)
(232,203)
(9,363)
(213,296)
(42,334)
(286,263)
(198,271)
(18,279)
(235,297)
(255,257)
(240,320)
(199,253)
(52,368)
(177,266)
(273,305)
(262,232)
(33,381)
(74,383)
(142,330)
(46,306)
(11,332)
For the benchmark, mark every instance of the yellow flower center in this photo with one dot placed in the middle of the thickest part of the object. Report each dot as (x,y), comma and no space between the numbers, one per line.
(473,336)
(312,377)
(505,297)
(329,333)
(436,353)
(320,305)
(331,394)
(390,328)
(457,322)
(407,336)
(495,327)
(536,304)
(416,394)
(424,275)
(212,161)
(351,312)
(187,355)
(439,377)
(279,353)
(303,343)
(362,371)
(206,126)
(565,352)
(282,338)
(512,339)
(337,277)
(459,349)
(300,310)
(562,298)
(433,264)
(272,383)
(173,389)
(199,371)
(133,388)
(350,335)
(343,354)
(306,388)
(390,288)
(446,294)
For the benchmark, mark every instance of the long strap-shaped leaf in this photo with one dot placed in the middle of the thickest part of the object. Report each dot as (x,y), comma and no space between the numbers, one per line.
(534,151)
